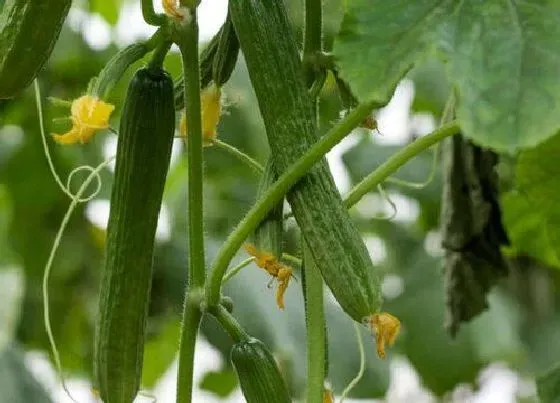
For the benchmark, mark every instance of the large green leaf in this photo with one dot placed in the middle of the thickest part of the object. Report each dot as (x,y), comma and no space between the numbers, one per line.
(503,57)
(379,41)
(537,174)
(527,229)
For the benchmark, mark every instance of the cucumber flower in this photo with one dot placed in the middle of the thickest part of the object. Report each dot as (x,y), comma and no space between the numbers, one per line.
(279,271)
(88,115)
(171,9)
(210,110)
(386,328)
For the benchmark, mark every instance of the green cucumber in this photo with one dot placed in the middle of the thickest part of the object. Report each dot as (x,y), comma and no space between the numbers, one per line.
(259,376)
(29,30)
(143,153)
(276,74)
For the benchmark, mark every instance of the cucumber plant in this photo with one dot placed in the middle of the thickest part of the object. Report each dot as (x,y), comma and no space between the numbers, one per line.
(287,84)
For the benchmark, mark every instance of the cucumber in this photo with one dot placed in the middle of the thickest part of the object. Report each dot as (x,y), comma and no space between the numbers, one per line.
(144,148)
(259,376)
(276,74)
(29,30)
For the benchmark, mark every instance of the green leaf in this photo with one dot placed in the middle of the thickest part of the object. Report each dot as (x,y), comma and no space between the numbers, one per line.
(526,228)
(548,385)
(502,56)
(537,173)
(221,383)
(379,41)
(16,382)
(109,10)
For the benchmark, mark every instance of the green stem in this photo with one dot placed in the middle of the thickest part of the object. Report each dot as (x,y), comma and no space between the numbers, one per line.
(313,37)
(158,56)
(237,269)
(239,155)
(316,330)
(191,322)
(149,14)
(292,259)
(229,323)
(191,72)
(275,193)
(188,45)
(362,369)
(397,160)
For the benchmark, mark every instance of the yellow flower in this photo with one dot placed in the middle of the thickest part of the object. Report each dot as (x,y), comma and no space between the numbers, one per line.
(171,9)
(328,396)
(88,115)
(210,110)
(386,328)
(269,262)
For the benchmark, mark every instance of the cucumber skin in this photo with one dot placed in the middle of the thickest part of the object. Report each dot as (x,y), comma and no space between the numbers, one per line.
(143,152)
(275,71)
(29,31)
(259,376)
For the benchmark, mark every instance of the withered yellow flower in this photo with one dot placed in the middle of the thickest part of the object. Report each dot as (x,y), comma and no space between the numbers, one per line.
(211,110)
(269,262)
(328,396)
(171,9)
(386,328)
(88,115)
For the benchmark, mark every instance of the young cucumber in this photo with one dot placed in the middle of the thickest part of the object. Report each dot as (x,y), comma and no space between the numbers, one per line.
(259,376)
(143,153)
(275,70)
(28,31)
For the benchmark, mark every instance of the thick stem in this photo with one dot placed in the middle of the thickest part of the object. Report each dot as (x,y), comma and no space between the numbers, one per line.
(275,193)
(189,330)
(315,326)
(229,323)
(149,14)
(188,45)
(397,160)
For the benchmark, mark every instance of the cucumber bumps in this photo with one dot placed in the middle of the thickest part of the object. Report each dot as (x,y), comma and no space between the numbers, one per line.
(28,31)
(275,70)
(143,152)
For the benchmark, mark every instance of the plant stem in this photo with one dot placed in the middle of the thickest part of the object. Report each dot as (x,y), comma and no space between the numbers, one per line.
(313,37)
(361,371)
(191,72)
(189,330)
(237,153)
(229,323)
(158,56)
(237,269)
(149,14)
(275,193)
(315,327)
(192,315)
(397,160)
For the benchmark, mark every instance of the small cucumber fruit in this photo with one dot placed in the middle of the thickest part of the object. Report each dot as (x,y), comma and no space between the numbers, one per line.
(144,148)
(259,376)
(28,31)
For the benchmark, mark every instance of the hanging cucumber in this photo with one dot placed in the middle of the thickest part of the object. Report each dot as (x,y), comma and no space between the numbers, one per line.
(276,74)
(143,152)
(29,30)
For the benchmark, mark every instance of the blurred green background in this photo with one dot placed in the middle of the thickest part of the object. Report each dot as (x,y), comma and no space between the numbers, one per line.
(517,332)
